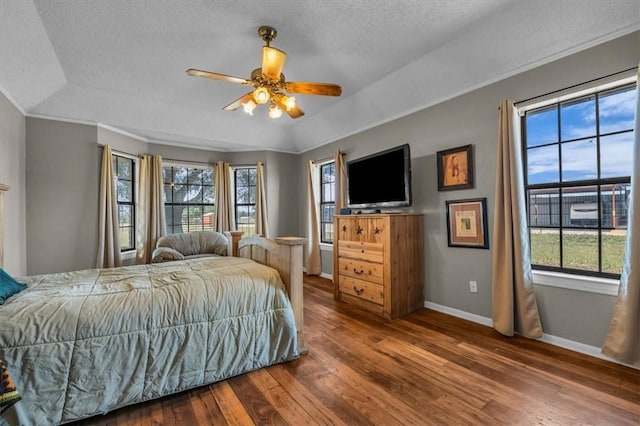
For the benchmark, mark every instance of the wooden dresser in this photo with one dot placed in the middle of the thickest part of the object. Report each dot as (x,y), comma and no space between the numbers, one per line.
(378,262)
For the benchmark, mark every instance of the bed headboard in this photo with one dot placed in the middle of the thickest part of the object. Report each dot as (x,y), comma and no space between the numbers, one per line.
(282,254)
(3,189)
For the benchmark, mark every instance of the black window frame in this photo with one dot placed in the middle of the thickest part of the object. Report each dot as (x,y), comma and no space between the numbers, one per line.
(170,203)
(565,188)
(130,203)
(326,223)
(245,205)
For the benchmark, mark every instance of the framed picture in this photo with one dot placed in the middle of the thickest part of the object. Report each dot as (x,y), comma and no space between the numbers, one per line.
(455,168)
(467,223)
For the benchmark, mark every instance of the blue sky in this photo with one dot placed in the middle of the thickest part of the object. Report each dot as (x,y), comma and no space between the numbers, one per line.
(616,110)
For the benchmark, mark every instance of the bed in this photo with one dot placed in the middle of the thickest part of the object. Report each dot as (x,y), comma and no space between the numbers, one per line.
(87,342)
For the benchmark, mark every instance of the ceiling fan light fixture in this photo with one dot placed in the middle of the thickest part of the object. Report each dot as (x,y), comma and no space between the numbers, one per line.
(272,62)
(289,102)
(261,95)
(274,111)
(249,106)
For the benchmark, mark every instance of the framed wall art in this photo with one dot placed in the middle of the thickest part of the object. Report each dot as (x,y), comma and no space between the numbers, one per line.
(455,168)
(467,223)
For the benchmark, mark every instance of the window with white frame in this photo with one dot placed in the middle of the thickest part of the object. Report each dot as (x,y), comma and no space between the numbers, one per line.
(578,157)
(124,172)
(244,183)
(327,201)
(188,198)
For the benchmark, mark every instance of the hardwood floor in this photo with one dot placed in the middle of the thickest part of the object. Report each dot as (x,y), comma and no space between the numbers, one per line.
(425,368)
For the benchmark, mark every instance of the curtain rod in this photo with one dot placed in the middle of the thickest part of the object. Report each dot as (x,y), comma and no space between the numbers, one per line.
(323,160)
(575,85)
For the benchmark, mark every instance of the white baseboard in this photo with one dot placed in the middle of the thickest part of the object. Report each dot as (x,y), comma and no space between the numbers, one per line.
(460,314)
(593,351)
(322,274)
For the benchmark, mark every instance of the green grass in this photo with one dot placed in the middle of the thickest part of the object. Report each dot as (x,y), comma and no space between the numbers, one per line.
(580,251)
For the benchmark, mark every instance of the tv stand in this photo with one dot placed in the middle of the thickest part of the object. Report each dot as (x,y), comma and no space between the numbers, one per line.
(378,262)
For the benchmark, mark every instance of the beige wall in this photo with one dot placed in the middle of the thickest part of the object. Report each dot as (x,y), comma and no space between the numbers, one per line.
(472,119)
(12,173)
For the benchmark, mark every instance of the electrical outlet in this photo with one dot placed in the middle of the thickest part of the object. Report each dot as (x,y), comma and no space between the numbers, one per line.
(473,286)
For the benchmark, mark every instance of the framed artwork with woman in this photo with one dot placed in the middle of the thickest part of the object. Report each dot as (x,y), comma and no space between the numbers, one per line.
(455,168)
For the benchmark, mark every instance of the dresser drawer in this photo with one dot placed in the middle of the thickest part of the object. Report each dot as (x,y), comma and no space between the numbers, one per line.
(363,289)
(371,252)
(361,269)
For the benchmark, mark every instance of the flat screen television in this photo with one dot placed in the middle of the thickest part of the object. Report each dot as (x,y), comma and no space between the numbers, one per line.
(380,180)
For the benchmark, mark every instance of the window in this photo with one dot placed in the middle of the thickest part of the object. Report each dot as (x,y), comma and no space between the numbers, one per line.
(578,160)
(124,171)
(327,201)
(188,198)
(244,181)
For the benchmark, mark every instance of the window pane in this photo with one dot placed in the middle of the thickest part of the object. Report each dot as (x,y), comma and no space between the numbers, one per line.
(124,168)
(168,218)
(617,109)
(327,233)
(542,165)
(124,190)
(208,218)
(242,194)
(195,176)
(542,127)
(167,175)
(580,249)
(167,194)
(242,177)
(580,207)
(177,219)
(613,243)
(125,215)
(207,194)
(252,194)
(180,174)
(616,155)
(578,119)
(252,176)
(194,194)
(126,238)
(544,207)
(615,205)
(579,160)
(545,247)
(207,176)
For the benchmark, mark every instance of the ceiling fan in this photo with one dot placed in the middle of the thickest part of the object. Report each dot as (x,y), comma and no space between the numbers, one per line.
(269,83)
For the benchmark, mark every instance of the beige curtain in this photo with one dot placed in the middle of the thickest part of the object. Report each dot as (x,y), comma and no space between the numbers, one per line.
(514,302)
(313,259)
(108,237)
(623,338)
(150,221)
(341,182)
(262,227)
(224,212)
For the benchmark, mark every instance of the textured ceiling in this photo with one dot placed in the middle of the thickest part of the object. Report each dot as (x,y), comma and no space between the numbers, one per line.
(122,62)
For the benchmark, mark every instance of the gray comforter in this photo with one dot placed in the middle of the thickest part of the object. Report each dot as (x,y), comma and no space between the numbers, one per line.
(87,342)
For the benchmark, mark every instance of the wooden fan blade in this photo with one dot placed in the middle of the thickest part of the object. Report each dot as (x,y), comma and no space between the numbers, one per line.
(272,62)
(238,102)
(324,89)
(294,112)
(216,76)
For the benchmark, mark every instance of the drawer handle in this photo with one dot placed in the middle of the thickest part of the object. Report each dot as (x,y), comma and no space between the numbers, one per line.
(344,228)
(358,292)
(360,272)
(359,230)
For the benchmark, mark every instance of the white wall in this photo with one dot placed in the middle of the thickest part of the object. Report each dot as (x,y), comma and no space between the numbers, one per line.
(12,173)
(472,119)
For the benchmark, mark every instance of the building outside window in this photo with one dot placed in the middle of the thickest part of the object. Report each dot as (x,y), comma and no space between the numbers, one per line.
(244,183)
(124,172)
(578,158)
(188,198)
(327,201)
